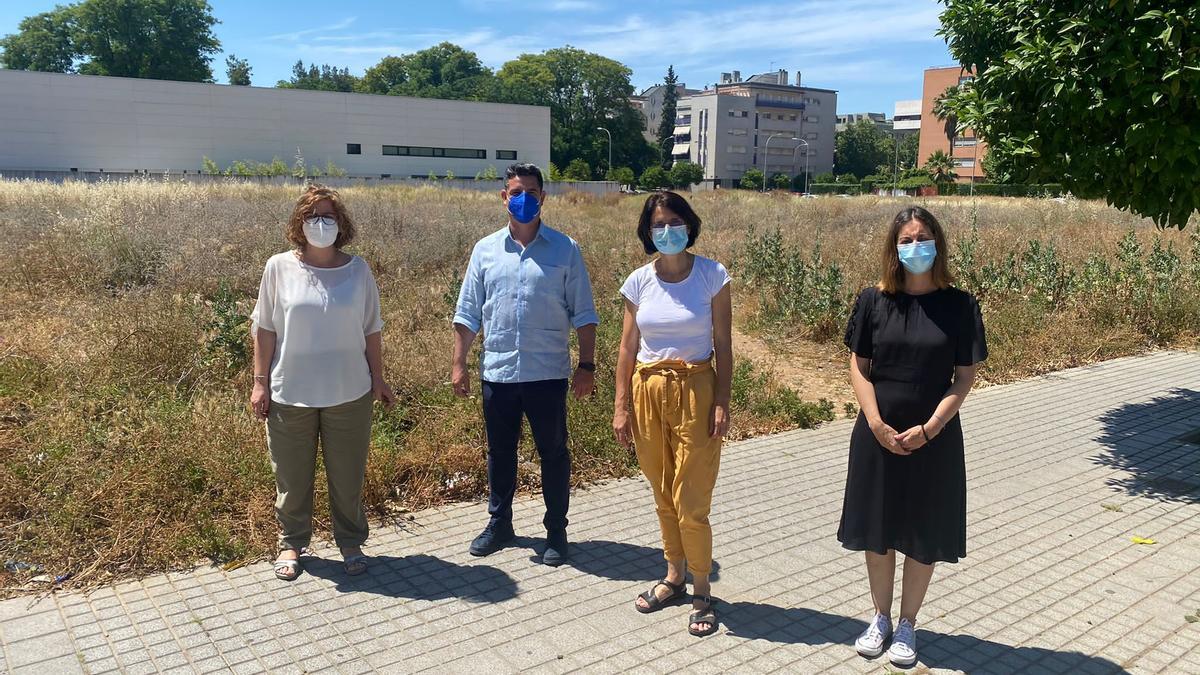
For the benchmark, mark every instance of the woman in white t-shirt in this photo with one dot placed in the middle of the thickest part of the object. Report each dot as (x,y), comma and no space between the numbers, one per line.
(672,402)
(318,365)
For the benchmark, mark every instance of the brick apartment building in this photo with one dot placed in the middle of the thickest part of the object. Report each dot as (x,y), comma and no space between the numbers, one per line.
(968,151)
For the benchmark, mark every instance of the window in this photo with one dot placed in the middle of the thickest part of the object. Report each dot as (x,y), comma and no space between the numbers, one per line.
(506,154)
(811,118)
(964,162)
(965,79)
(735,167)
(737,149)
(745,113)
(733,113)
(766,116)
(737,132)
(353,148)
(791,118)
(416,151)
(811,135)
(965,141)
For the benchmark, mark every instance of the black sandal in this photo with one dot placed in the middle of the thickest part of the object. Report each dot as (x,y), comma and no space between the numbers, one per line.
(707,615)
(654,603)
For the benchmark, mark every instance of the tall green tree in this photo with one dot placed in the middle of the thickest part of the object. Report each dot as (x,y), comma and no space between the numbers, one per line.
(909,144)
(861,147)
(42,42)
(666,123)
(940,167)
(237,71)
(584,91)
(321,78)
(442,71)
(1101,96)
(156,39)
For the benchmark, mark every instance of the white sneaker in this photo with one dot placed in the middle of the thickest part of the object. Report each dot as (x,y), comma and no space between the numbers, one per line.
(870,643)
(903,651)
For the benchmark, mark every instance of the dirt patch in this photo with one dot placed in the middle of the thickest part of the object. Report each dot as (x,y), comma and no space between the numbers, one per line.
(814,370)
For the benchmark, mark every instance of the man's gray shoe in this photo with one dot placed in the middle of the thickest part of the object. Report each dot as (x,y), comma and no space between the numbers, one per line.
(556,548)
(493,538)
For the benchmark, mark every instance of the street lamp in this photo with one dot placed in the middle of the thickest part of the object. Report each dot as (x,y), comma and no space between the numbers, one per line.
(766,155)
(610,166)
(896,160)
(974,161)
(662,150)
(805,144)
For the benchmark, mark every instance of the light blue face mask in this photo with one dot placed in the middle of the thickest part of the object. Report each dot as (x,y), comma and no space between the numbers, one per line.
(671,239)
(918,256)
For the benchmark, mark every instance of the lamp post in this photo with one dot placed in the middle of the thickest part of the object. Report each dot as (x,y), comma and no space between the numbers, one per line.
(766,151)
(663,150)
(896,160)
(974,161)
(805,144)
(610,166)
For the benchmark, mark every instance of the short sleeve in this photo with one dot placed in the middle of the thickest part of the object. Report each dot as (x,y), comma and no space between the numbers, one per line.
(718,279)
(972,343)
(860,328)
(372,313)
(264,308)
(632,288)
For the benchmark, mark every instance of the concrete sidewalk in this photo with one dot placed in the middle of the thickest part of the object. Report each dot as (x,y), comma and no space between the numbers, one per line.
(1063,471)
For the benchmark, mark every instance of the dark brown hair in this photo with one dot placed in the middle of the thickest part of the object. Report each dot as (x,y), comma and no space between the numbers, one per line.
(313,194)
(673,202)
(892,278)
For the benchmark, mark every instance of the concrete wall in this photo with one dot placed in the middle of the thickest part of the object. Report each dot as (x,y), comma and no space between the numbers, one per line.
(57,122)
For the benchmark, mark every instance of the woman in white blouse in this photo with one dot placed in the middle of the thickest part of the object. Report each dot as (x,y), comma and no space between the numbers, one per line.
(318,365)
(672,402)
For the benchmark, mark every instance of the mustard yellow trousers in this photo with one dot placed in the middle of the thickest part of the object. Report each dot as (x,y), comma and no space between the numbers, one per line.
(672,410)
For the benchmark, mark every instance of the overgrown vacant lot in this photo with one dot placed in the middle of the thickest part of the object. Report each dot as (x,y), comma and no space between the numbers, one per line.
(125,443)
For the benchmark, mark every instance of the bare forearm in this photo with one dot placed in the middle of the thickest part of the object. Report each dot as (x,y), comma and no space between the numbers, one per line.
(950,404)
(463,337)
(724,354)
(864,391)
(625,364)
(587,343)
(375,354)
(264,353)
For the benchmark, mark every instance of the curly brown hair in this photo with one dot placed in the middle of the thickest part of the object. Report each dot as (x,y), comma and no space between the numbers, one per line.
(314,193)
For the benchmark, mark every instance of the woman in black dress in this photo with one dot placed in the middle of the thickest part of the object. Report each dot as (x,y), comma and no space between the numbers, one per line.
(916,342)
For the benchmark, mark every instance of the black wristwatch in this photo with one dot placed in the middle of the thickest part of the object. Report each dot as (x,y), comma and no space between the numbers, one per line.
(587,365)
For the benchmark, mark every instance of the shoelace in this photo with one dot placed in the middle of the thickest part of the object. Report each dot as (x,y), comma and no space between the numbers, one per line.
(904,634)
(875,630)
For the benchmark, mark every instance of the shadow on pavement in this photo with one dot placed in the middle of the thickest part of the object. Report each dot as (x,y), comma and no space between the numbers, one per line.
(1158,443)
(800,625)
(623,562)
(418,577)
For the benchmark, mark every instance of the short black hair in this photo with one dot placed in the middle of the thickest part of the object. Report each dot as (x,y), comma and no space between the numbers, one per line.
(523,169)
(672,201)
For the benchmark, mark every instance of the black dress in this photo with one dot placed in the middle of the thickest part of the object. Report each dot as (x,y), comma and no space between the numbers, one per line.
(915,504)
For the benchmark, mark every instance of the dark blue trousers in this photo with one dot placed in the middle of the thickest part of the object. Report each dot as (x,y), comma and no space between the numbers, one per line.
(544,404)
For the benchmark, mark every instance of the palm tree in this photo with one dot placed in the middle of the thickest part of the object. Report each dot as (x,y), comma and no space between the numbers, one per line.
(940,167)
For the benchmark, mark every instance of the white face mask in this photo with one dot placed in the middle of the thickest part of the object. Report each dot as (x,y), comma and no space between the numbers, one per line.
(321,231)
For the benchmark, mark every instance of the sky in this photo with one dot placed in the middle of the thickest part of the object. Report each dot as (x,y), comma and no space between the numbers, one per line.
(872,52)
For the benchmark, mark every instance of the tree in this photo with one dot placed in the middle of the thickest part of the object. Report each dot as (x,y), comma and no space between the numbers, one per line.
(860,147)
(323,78)
(752,179)
(577,169)
(43,42)
(1099,95)
(780,181)
(156,39)
(909,143)
(654,178)
(584,91)
(826,177)
(666,123)
(622,175)
(1003,166)
(940,167)
(685,174)
(443,71)
(237,70)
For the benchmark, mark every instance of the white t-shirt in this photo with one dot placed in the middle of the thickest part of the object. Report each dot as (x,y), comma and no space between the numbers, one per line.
(675,319)
(321,318)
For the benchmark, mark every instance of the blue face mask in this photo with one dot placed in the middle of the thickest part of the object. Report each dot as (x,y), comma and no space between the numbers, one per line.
(671,239)
(918,256)
(524,207)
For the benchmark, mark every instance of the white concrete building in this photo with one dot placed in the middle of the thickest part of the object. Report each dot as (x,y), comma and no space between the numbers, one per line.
(907,116)
(61,122)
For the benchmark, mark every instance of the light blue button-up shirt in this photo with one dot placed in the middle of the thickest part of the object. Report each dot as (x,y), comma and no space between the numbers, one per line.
(526,300)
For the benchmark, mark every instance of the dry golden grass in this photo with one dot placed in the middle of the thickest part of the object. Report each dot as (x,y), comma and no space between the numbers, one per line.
(125,446)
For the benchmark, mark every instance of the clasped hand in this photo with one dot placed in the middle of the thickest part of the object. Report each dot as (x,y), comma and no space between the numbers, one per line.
(900,443)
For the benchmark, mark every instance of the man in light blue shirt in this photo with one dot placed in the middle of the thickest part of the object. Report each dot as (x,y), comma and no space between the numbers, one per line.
(526,287)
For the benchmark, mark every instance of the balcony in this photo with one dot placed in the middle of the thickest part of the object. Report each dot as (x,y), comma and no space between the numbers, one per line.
(768,102)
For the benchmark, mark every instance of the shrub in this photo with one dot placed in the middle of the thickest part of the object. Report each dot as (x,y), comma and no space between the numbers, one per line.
(654,178)
(752,180)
